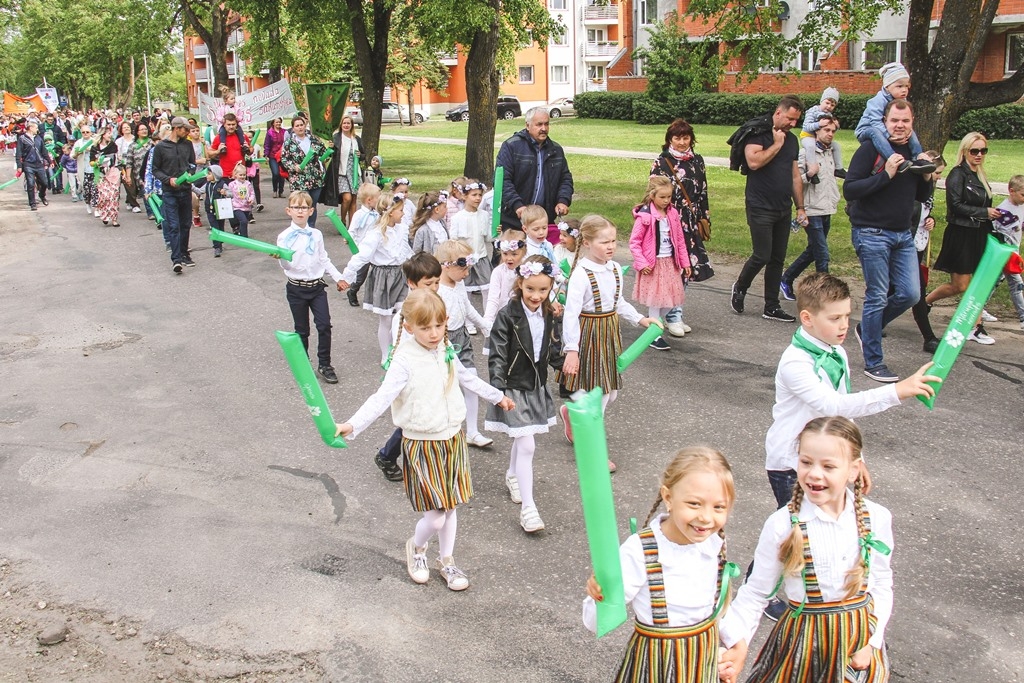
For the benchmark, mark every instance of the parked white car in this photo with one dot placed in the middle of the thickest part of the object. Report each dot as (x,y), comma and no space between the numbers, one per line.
(392,112)
(561,107)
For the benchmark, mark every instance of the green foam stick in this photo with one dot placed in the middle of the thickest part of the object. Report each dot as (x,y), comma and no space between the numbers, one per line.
(89,143)
(256,137)
(308,158)
(56,172)
(9,183)
(966,316)
(625,269)
(566,268)
(499,186)
(156,208)
(332,214)
(248,243)
(627,357)
(591,448)
(158,199)
(299,363)
(186,177)
(326,155)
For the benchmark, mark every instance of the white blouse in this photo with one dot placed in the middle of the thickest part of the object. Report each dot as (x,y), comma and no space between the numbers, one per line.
(474,228)
(691,579)
(456,301)
(500,291)
(580,299)
(835,549)
(536,321)
(391,249)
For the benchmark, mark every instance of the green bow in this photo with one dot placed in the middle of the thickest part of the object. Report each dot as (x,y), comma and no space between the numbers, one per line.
(387,361)
(869,543)
(450,352)
(729,572)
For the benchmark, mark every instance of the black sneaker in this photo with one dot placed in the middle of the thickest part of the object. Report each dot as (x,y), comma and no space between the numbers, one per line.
(930,345)
(904,166)
(34,207)
(353,298)
(42,200)
(860,341)
(737,298)
(840,173)
(778,315)
(189,263)
(787,291)
(922,167)
(660,344)
(775,609)
(327,372)
(390,470)
(217,251)
(259,207)
(880,373)
(177,268)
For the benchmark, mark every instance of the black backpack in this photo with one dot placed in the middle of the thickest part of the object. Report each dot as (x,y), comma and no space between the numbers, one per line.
(738,141)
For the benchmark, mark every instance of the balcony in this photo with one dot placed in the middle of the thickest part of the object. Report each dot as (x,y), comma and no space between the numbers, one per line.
(202,75)
(231,70)
(599,52)
(600,14)
(200,50)
(448,58)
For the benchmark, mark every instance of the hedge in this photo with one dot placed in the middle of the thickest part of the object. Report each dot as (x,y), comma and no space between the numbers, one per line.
(1005,122)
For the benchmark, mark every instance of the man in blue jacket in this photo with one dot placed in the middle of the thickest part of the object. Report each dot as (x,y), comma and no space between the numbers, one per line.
(536,172)
(32,159)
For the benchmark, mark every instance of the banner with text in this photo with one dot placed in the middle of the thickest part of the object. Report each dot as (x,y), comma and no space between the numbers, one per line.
(49,97)
(326,107)
(22,105)
(258,106)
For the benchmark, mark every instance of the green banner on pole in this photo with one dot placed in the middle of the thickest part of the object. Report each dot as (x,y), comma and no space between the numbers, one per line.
(326,107)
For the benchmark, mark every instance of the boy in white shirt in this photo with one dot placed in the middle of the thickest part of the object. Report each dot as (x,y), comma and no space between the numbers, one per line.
(535,225)
(1008,229)
(306,289)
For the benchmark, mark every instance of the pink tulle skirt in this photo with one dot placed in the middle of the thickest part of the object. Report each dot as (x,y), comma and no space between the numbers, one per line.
(663,288)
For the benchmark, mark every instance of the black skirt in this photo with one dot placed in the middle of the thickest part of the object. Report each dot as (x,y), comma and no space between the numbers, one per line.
(962,248)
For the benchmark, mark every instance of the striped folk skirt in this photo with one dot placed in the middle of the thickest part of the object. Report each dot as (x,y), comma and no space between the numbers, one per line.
(659,654)
(816,646)
(600,346)
(436,473)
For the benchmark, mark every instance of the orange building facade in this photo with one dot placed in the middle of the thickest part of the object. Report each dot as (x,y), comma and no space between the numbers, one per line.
(243,75)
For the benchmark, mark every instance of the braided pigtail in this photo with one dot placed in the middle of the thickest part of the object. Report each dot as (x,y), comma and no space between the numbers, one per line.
(791,552)
(858,573)
(722,560)
(398,340)
(654,510)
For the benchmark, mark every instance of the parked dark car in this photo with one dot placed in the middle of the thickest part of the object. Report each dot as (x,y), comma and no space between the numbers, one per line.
(508,109)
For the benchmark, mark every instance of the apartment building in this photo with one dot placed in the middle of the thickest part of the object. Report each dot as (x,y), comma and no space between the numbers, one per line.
(244,77)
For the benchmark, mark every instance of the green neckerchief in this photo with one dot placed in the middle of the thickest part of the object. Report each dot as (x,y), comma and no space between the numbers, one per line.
(831,361)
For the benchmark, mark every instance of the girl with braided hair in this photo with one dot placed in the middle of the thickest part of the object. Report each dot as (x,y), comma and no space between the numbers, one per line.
(830,549)
(421,386)
(675,576)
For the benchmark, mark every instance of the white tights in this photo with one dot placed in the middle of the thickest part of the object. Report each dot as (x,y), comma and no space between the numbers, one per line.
(441,522)
(472,412)
(521,465)
(655,312)
(384,336)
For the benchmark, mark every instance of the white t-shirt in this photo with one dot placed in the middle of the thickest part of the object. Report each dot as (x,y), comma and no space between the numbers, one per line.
(1009,225)
(664,239)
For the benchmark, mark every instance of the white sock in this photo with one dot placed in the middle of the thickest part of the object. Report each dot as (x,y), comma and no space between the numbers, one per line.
(655,312)
(384,336)
(472,412)
(524,448)
(430,524)
(446,534)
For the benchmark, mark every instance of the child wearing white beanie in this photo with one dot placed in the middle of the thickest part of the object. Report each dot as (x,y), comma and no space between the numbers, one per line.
(895,86)
(829,100)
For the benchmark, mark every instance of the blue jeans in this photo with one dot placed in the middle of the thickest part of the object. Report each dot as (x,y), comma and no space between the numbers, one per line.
(783,483)
(675,315)
(276,181)
(880,139)
(241,221)
(35,181)
(177,211)
(887,258)
(816,251)
(1016,285)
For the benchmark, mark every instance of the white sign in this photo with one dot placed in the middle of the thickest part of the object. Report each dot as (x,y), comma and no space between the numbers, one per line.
(49,98)
(258,106)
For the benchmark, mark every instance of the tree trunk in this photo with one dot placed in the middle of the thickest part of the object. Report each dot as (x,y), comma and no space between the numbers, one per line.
(215,36)
(275,39)
(482,82)
(371,63)
(131,81)
(942,74)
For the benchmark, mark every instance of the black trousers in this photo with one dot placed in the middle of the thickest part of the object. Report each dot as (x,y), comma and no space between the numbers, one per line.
(360,278)
(302,301)
(35,180)
(769,235)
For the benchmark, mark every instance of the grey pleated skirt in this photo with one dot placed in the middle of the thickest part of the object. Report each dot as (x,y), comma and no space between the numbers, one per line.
(479,278)
(463,344)
(385,288)
(534,414)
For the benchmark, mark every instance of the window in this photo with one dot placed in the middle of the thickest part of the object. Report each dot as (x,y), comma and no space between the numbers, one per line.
(526,75)
(879,52)
(648,11)
(561,37)
(595,73)
(1014,51)
(560,74)
(556,4)
(809,60)
(596,35)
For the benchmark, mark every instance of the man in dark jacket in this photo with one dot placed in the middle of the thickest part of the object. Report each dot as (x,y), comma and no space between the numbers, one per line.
(173,156)
(536,172)
(32,159)
(880,202)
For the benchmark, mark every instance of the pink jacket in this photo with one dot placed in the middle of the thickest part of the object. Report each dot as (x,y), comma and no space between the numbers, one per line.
(643,243)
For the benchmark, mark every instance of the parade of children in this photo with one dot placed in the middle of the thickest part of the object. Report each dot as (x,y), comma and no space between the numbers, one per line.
(435,271)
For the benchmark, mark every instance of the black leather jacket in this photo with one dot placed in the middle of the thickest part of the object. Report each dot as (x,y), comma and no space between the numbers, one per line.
(967,199)
(511,363)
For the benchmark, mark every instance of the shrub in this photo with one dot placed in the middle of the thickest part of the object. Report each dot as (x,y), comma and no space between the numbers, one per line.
(605,105)
(1005,122)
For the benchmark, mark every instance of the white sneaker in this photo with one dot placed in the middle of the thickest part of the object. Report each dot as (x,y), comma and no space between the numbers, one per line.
(530,520)
(136,209)
(979,335)
(456,578)
(479,440)
(987,317)
(96,213)
(470,328)
(1022,324)
(88,209)
(687,329)
(416,563)
(675,329)
(512,484)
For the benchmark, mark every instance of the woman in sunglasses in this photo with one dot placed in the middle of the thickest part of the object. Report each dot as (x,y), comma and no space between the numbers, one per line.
(969,215)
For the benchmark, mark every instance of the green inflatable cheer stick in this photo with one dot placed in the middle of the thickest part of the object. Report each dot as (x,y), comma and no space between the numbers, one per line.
(566,268)
(308,158)
(190,178)
(499,185)
(256,137)
(591,448)
(158,199)
(56,172)
(9,183)
(156,208)
(625,269)
(332,214)
(247,243)
(627,357)
(966,317)
(298,361)
(326,155)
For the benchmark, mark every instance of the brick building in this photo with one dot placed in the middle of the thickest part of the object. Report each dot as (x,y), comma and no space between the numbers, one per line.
(243,75)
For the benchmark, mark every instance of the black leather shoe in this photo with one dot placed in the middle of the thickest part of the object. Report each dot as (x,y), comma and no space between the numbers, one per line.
(353,298)
(327,372)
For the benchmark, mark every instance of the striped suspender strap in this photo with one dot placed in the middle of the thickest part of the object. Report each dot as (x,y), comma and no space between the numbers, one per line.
(655,578)
(595,290)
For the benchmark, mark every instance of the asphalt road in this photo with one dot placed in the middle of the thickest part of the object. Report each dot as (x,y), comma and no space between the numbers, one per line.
(156,461)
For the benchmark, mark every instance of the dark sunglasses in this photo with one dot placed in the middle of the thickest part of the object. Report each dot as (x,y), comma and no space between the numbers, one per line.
(982,151)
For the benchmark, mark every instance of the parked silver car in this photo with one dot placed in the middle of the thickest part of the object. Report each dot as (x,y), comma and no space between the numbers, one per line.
(392,112)
(561,107)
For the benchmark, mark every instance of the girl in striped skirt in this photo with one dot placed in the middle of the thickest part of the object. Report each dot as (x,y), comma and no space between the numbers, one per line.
(590,322)
(673,573)
(830,549)
(421,387)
